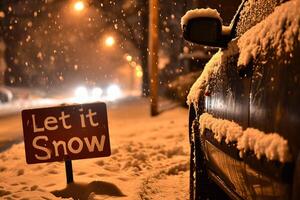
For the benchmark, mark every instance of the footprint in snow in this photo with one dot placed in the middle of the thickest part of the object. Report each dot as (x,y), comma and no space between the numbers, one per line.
(81,173)
(20,172)
(34,187)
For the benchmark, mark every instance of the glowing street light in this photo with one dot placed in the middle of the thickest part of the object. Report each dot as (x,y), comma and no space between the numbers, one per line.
(79,6)
(109,41)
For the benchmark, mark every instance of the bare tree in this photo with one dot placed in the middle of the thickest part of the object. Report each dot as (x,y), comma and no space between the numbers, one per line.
(130,19)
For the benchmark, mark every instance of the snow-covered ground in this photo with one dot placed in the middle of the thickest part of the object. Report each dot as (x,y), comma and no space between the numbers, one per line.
(149,161)
(16,106)
(10,118)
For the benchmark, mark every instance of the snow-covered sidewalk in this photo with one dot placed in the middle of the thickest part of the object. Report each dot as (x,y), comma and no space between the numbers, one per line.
(149,161)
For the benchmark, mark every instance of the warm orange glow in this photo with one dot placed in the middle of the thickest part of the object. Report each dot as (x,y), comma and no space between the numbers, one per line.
(139,74)
(109,41)
(129,58)
(133,64)
(138,71)
(79,6)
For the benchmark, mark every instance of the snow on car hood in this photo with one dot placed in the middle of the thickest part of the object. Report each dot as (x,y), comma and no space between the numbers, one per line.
(279,31)
(270,145)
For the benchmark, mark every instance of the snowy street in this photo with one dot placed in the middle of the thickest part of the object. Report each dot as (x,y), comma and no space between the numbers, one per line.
(149,161)
(10,130)
(10,118)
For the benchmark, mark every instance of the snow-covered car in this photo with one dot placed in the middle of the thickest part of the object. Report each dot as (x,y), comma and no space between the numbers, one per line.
(5,95)
(244,116)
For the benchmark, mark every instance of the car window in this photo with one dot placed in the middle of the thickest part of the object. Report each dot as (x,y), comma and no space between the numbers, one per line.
(253,12)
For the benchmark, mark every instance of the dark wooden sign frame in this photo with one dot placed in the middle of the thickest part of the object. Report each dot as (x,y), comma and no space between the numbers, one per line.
(66,133)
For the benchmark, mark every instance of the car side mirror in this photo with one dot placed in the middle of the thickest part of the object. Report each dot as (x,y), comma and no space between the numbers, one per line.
(206,31)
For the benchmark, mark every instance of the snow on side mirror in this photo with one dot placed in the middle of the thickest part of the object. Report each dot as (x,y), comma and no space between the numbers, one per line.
(204,26)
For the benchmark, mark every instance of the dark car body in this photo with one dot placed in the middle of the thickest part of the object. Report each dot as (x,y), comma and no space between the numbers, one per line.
(264,95)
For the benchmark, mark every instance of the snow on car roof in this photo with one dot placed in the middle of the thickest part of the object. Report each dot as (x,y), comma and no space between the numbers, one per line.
(201,12)
(278,31)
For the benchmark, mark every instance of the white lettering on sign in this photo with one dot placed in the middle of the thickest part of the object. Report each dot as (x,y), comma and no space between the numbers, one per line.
(63,119)
(95,142)
(51,122)
(82,120)
(47,151)
(68,132)
(57,144)
(90,144)
(80,145)
(35,128)
(90,116)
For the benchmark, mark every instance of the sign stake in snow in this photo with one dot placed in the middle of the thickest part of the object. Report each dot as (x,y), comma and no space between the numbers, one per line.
(69,171)
(66,133)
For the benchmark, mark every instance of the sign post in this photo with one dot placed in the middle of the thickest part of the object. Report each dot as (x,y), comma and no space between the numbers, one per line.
(69,171)
(66,133)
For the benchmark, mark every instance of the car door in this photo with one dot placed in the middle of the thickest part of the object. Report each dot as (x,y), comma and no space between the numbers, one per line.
(274,103)
(229,96)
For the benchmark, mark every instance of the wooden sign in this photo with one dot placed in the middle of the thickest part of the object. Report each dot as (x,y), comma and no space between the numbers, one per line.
(66,133)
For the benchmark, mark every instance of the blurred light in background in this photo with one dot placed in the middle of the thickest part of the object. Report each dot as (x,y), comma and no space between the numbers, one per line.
(133,64)
(129,58)
(109,41)
(81,94)
(85,95)
(113,92)
(79,6)
(138,71)
(97,93)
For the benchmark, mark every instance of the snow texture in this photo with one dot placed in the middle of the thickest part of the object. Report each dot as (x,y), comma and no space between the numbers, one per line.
(270,145)
(207,12)
(200,86)
(226,30)
(21,104)
(279,31)
(150,160)
(253,12)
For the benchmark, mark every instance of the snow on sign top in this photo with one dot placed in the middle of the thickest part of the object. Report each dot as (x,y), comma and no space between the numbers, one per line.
(208,12)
